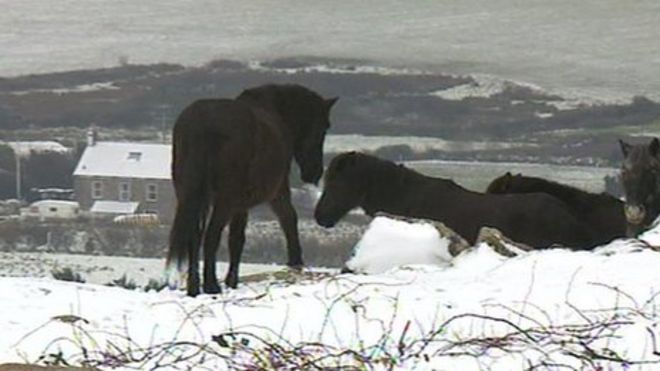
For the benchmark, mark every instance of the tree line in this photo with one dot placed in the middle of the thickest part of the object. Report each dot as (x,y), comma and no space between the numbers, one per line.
(37,170)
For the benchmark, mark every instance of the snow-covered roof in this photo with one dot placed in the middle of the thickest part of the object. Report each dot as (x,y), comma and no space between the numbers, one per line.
(61,203)
(126,160)
(114,207)
(23,149)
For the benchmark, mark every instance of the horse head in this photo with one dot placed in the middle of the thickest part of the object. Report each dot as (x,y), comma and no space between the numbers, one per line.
(345,187)
(308,144)
(306,116)
(640,176)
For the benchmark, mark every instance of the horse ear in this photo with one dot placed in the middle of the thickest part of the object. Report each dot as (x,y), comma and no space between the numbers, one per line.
(625,147)
(654,147)
(507,180)
(330,102)
(352,158)
(347,160)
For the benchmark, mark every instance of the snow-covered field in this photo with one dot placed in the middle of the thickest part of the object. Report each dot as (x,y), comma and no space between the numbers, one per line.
(98,269)
(554,309)
(357,142)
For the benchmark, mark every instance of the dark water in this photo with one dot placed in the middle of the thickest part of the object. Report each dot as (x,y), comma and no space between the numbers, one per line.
(599,48)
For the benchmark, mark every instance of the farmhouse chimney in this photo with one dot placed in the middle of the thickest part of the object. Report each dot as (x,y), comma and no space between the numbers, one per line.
(92,136)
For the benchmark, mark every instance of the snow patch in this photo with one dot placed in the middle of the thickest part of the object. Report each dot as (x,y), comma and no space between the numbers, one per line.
(24,148)
(357,142)
(486,86)
(389,243)
(652,235)
(344,69)
(84,88)
(543,115)
(482,86)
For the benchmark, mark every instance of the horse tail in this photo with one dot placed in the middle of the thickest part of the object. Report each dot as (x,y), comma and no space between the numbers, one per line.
(190,177)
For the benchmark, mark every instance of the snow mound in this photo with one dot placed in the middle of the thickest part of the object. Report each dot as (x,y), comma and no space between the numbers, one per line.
(389,243)
(652,235)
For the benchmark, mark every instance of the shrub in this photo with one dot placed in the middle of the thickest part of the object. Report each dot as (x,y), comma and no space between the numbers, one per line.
(154,285)
(67,274)
(124,282)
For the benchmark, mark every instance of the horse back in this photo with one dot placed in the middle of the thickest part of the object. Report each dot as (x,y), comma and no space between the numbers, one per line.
(237,146)
(602,212)
(538,219)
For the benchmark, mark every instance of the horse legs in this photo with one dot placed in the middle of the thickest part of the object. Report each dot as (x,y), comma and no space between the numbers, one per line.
(288,219)
(211,242)
(236,242)
(192,281)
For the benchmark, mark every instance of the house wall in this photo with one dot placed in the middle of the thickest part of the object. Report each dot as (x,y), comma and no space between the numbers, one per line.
(163,206)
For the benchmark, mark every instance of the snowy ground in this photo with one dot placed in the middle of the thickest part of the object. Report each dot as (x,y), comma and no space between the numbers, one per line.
(478,311)
(99,269)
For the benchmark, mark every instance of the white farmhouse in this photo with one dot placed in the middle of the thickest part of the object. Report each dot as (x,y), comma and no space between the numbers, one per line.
(125,176)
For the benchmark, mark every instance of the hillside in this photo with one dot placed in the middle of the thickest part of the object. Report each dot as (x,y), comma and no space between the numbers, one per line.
(141,101)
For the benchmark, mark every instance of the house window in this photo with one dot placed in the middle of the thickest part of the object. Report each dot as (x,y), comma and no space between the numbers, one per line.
(124,191)
(152,192)
(97,189)
(134,156)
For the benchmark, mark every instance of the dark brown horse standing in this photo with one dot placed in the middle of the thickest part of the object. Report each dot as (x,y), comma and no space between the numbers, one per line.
(359,180)
(602,212)
(232,154)
(640,176)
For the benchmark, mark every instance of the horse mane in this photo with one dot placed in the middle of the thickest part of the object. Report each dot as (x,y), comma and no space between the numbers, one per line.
(274,92)
(559,190)
(375,167)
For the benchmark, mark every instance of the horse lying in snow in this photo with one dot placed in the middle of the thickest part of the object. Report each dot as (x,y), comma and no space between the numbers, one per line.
(602,212)
(359,180)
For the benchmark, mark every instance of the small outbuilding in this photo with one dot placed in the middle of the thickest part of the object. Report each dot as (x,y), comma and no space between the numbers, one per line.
(52,209)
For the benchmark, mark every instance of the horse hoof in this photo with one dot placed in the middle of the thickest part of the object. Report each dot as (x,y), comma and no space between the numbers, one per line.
(296,267)
(231,282)
(212,288)
(193,292)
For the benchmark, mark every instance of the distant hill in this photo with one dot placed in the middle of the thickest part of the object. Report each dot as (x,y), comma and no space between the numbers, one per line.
(373,101)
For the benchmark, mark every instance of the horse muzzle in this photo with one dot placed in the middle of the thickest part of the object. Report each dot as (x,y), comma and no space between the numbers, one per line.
(324,221)
(634,214)
(321,216)
(311,179)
